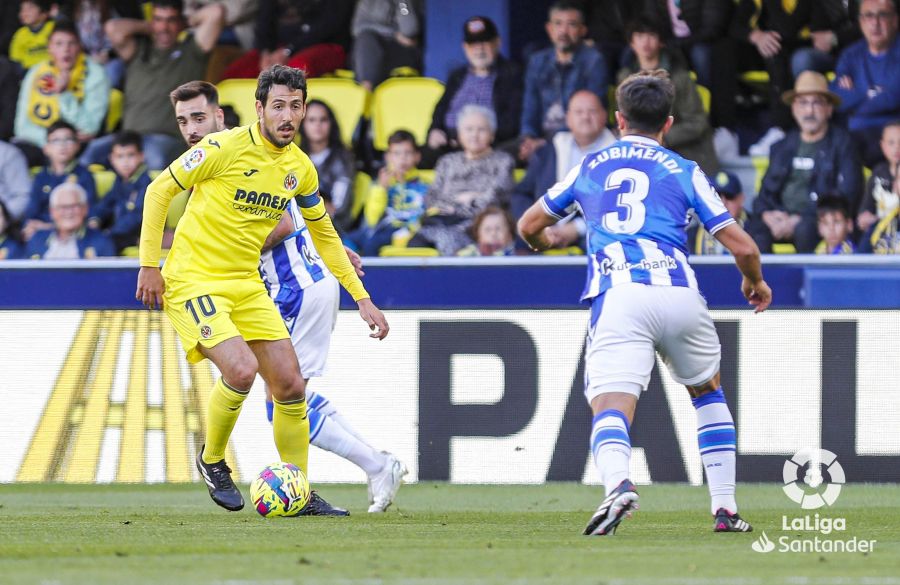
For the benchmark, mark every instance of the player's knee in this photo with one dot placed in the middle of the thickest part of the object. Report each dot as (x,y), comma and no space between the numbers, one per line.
(699,390)
(242,373)
(292,388)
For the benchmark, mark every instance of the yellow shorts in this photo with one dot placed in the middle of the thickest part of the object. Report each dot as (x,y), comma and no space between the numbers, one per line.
(208,313)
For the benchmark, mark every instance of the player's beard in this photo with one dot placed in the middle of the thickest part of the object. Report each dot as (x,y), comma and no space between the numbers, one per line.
(274,136)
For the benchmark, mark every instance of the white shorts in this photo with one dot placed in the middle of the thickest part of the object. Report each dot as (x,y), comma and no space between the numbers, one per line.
(637,320)
(310,316)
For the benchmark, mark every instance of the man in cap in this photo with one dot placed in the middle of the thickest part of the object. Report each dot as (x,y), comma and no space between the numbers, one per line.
(729,188)
(814,159)
(488,80)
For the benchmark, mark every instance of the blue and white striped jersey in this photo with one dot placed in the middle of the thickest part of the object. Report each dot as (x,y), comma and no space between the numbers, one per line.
(635,196)
(294,263)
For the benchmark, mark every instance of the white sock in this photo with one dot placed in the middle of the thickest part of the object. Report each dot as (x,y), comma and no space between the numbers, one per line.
(331,436)
(611,447)
(717,439)
(325,406)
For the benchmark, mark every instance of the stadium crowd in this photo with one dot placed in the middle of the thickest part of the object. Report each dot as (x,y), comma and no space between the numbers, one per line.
(804,86)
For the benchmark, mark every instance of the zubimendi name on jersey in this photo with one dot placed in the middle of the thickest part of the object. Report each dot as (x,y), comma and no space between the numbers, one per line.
(272,206)
(639,152)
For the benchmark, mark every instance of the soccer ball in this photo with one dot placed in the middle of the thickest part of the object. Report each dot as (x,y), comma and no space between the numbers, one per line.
(280,489)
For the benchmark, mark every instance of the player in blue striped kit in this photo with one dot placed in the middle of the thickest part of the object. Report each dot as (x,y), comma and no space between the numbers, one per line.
(306,293)
(636,196)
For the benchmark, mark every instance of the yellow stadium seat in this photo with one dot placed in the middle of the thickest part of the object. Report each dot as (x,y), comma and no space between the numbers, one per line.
(114,113)
(404,252)
(347,99)
(611,100)
(519,174)
(405,103)
(240,94)
(761,164)
(104,181)
(361,184)
(783,249)
(755,77)
(705,97)
(570,251)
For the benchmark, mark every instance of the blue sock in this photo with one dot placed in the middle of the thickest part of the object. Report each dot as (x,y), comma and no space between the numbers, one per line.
(718,445)
(270,410)
(611,447)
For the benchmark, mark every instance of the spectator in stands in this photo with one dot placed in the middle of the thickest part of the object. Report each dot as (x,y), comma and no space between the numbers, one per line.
(586,132)
(867,80)
(159,58)
(119,213)
(9,93)
(691,135)
(692,26)
(15,180)
(10,238)
(492,229)
(465,183)
(29,44)
(62,167)
(555,73)
(606,21)
(835,225)
(730,190)
(884,237)
(89,17)
(880,199)
(69,86)
(768,33)
(818,158)
(386,36)
(68,238)
(489,80)
(396,202)
(307,34)
(240,19)
(320,138)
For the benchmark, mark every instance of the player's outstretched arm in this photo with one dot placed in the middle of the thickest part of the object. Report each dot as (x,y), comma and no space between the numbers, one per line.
(746,256)
(373,316)
(532,226)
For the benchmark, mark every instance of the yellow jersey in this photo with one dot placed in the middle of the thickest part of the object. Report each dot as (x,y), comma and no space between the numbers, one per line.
(29,47)
(242,184)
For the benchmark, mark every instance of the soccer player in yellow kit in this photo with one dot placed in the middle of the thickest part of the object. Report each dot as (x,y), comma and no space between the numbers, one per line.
(210,287)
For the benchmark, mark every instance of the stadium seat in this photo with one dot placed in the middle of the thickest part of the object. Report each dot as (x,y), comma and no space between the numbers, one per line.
(783,249)
(347,99)
(361,184)
(404,252)
(755,77)
(104,181)
(240,94)
(705,97)
(570,251)
(114,113)
(403,103)
(761,164)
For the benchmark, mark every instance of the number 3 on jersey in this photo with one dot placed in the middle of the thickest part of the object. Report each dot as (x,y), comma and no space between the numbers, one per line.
(206,305)
(630,187)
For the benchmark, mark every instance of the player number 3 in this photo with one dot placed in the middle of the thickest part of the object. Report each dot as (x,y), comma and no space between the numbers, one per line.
(630,197)
(205,303)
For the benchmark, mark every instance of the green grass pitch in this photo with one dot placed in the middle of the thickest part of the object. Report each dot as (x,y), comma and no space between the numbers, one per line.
(436,534)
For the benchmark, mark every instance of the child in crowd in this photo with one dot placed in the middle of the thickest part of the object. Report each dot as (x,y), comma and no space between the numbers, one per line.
(835,225)
(120,212)
(396,201)
(492,231)
(880,199)
(28,46)
(730,190)
(884,237)
(61,151)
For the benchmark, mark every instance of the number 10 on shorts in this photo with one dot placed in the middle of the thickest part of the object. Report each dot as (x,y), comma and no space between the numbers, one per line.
(204,303)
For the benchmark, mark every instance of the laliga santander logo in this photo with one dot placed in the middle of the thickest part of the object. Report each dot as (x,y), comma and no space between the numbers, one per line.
(812,462)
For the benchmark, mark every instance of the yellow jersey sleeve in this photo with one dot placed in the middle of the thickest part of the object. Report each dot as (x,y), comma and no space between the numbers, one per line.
(329,245)
(156,207)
